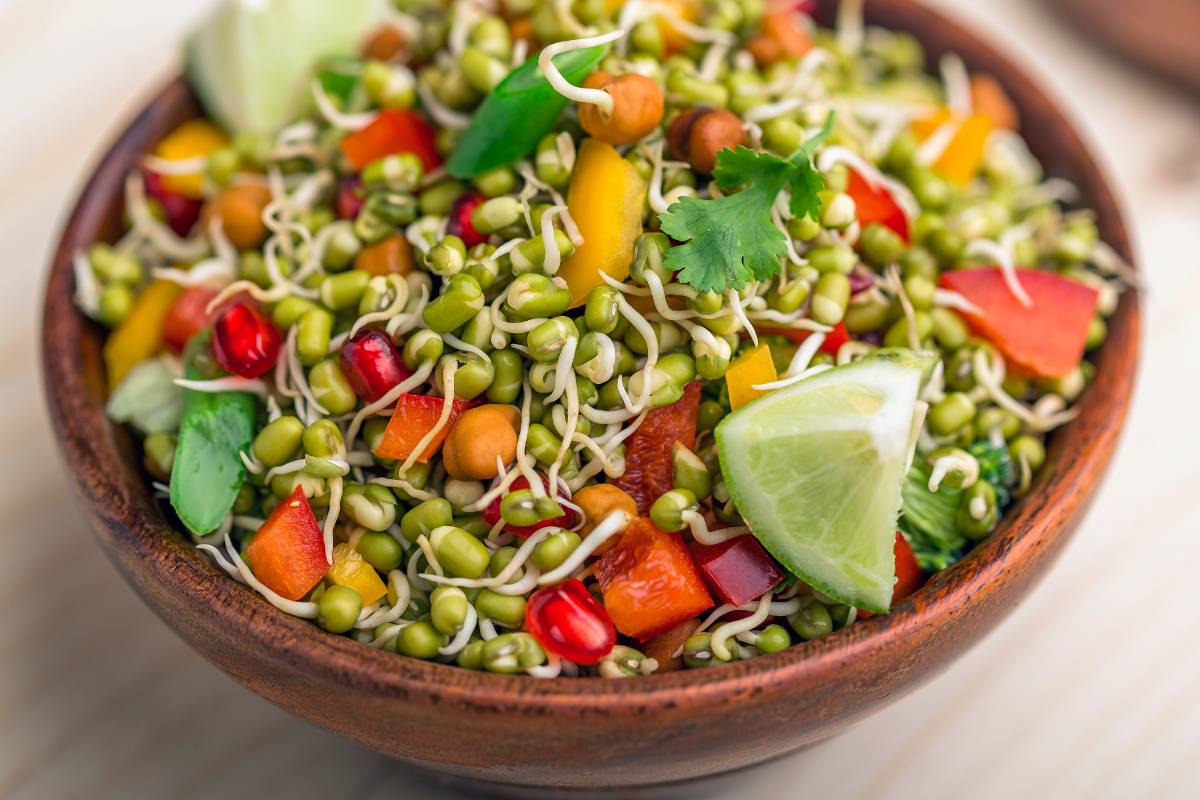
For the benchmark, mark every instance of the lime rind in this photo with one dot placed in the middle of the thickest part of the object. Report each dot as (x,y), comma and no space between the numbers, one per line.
(816,471)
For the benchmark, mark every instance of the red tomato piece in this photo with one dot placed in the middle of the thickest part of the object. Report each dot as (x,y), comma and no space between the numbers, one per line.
(459,223)
(649,581)
(372,364)
(414,416)
(569,623)
(288,551)
(1047,338)
(737,570)
(875,204)
(491,514)
(181,211)
(394,130)
(244,341)
(648,451)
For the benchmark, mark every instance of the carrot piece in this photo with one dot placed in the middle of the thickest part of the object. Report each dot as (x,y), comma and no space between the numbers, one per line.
(1048,337)
(649,581)
(416,415)
(288,551)
(648,451)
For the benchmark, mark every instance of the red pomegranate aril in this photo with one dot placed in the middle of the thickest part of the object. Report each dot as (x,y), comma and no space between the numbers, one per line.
(181,212)
(491,514)
(460,219)
(372,364)
(350,197)
(569,623)
(244,341)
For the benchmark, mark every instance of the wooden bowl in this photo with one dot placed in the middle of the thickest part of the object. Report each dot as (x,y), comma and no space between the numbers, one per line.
(572,732)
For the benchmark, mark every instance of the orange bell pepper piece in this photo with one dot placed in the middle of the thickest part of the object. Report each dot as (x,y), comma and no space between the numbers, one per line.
(349,569)
(195,138)
(392,255)
(414,416)
(750,369)
(288,552)
(139,336)
(649,451)
(649,581)
(961,158)
(394,130)
(989,98)
(1048,337)
(605,200)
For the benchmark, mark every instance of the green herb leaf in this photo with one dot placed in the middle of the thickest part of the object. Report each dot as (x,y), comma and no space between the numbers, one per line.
(731,240)
(928,521)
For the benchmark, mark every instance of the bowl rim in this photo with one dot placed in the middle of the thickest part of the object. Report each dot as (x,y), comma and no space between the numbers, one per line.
(123,514)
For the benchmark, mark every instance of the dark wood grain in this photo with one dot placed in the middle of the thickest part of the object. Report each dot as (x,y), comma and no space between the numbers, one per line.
(572,732)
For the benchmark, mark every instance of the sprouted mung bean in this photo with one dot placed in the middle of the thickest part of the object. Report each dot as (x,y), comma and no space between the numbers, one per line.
(438,363)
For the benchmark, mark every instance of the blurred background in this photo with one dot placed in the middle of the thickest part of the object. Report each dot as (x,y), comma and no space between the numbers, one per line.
(1088,690)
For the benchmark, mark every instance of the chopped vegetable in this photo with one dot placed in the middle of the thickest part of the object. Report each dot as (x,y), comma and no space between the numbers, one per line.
(194,139)
(179,211)
(288,552)
(737,570)
(731,240)
(874,203)
(928,520)
(416,415)
(962,156)
(394,130)
(139,336)
(649,451)
(649,582)
(187,316)
(349,569)
(1048,337)
(147,398)
(753,368)
(605,200)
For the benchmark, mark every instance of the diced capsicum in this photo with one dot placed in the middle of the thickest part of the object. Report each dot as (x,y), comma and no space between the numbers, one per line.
(962,156)
(349,569)
(649,581)
(215,429)
(140,335)
(196,138)
(605,199)
(874,203)
(649,450)
(1047,338)
(737,570)
(414,416)
(830,345)
(752,368)
(517,114)
(394,130)
(909,576)
(288,552)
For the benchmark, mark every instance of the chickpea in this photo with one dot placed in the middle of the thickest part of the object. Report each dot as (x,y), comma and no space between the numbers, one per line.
(698,134)
(662,647)
(477,438)
(240,209)
(637,108)
(385,43)
(597,502)
(781,36)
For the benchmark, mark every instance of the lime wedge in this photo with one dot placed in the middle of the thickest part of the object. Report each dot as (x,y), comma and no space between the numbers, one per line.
(816,470)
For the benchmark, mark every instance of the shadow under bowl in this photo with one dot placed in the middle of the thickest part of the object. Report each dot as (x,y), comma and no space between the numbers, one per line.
(583,733)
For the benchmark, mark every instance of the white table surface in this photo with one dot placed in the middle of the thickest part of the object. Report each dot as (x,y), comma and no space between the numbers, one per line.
(1090,689)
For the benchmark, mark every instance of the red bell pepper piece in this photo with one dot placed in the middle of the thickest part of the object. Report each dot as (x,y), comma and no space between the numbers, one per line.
(186,317)
(833,340)
(737,570)
(909,576)
(568,622)
(491,514)
(414,416)
(649,581)
(648,452)
(875,204)
(393,130)
(288,551)
(1046,338)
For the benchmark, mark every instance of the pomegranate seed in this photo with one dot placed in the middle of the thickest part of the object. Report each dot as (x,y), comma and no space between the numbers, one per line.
(181,212)
(244,341)
(372,364)
(350,197)
(460,219)
(491,514)
(568,622)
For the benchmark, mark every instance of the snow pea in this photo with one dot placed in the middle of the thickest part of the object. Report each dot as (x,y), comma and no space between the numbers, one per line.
(216,427)
(520,110)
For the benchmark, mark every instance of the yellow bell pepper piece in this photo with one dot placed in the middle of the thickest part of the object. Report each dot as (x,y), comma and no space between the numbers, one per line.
(349,569)
(750,369)
(962,157)
(193,139)
(139,336)
(605,200)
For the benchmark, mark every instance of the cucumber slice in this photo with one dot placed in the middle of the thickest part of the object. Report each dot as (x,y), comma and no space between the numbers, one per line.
(250,62)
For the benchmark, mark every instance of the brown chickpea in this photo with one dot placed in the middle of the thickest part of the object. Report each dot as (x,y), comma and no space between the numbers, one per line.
(597,502)
(477,438)
(698,134)
(392,255)
(385,43)
(781,36)
(662,647)
(637,108)
(240,208)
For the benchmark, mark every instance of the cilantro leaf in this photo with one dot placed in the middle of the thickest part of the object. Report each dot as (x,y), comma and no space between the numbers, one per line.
(731,240)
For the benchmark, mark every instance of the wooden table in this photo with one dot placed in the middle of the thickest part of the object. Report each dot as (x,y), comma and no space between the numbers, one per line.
(1089,690)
